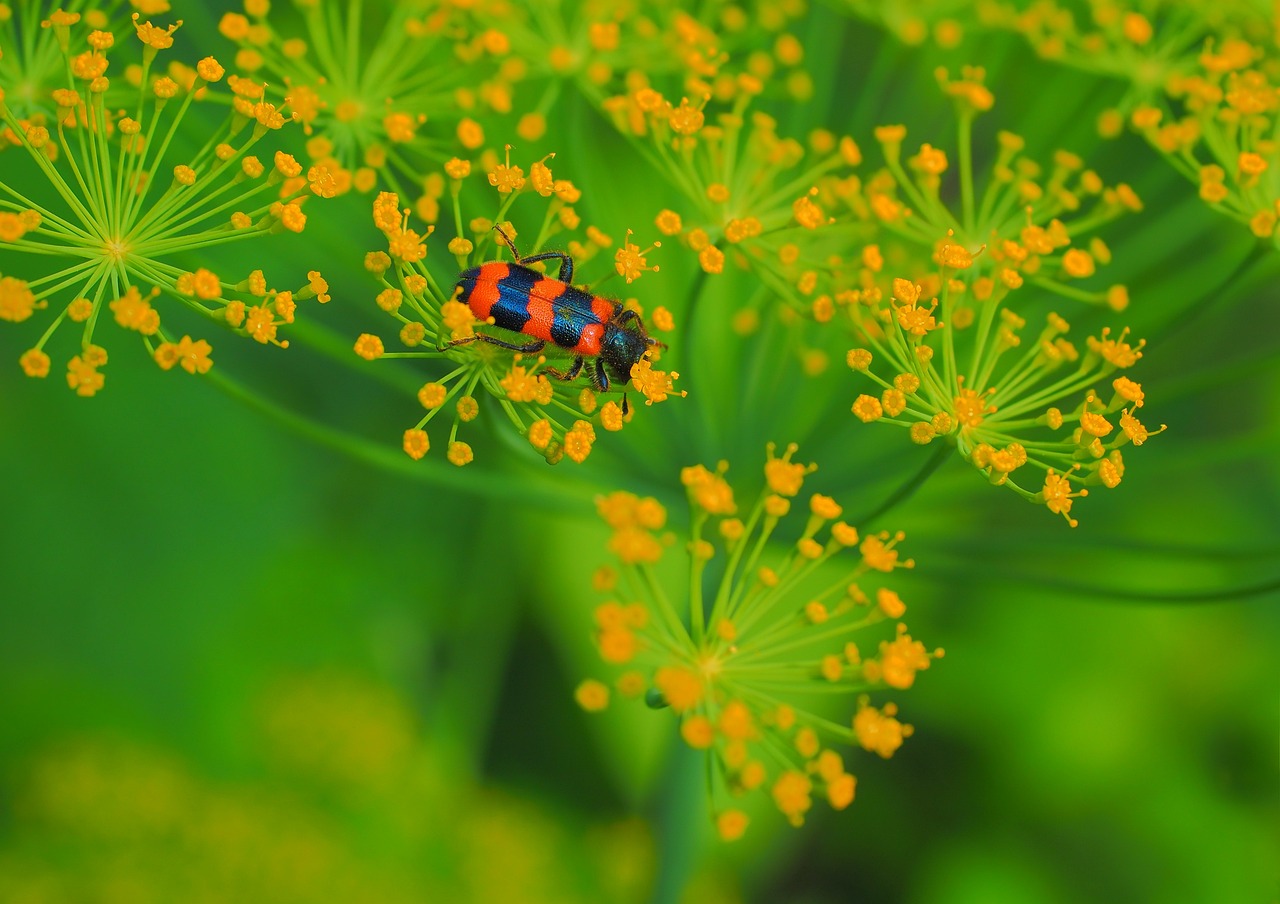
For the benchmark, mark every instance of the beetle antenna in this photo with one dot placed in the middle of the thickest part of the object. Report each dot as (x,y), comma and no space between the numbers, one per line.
(507,240)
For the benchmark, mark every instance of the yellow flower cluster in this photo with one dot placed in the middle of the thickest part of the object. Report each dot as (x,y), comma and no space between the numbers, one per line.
(363,79)
(1217,127)
(607,49)
(126,202)
(945,341)
(752,197)
(1200,86)
(558,418)
(773,638)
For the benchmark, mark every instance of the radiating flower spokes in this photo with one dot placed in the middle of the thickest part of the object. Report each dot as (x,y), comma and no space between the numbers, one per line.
(1018,223)
(1039,404)
(751,198)
(745,186)
(32,41)
(557,417)
(115,229)
(382,93)
(767,642)
(944,336)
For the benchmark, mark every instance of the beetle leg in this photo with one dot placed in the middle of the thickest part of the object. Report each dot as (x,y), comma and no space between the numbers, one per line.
(625,316)
(573,371)
(625,409)
(529,349)
(602,378)
(566,263)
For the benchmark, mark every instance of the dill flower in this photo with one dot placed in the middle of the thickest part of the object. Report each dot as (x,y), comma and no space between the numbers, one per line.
(31,49)
(1216,126)
(772,643)
(127,203)
(753,199)
(1025,223)
(607,49)
(559,417)
(365,84)
(922,20)
(1056,415)
(1147,46)
(945,344)
(1200,87)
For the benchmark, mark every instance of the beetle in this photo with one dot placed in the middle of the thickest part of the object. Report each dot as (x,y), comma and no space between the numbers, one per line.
(518,298)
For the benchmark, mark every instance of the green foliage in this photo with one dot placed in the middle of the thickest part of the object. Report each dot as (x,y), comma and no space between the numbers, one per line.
(255,652)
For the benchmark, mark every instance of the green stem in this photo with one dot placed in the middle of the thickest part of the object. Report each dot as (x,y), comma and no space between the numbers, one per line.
(555,496)
(908,489)
(676,824)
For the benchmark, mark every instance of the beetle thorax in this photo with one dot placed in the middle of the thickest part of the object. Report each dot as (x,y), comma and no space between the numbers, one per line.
(621,350)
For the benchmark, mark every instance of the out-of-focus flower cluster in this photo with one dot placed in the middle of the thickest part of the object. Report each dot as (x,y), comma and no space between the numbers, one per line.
(945,23)
(751,196)
(557,416)
(1216,125)
(604,47)
(100,199)
(364,79)
(1201,83)
(775,638)
(336,753)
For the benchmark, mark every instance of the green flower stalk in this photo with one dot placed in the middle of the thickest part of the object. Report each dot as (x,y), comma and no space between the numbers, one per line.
(127,200)
(766,648)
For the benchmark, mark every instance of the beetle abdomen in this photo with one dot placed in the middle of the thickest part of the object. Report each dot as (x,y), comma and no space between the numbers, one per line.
(525,301)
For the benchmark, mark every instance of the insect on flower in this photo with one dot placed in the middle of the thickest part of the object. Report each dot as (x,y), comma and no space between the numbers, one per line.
(518,298)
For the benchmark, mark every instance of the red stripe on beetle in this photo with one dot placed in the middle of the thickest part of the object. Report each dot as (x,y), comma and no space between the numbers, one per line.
(589,341)
(547,289)
(603,308)
(484,294)
(541,310)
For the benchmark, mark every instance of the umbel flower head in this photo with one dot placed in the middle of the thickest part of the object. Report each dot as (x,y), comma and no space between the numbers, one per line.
(996,397)
(1200,86)
(1020,222)
(558,416)
(947,344)
(607,49)
(772,643)
(751,196)
(1216,125)
(127,202)
(364,79)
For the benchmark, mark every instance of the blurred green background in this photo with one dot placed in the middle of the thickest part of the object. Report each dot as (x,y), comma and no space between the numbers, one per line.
(239,664)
